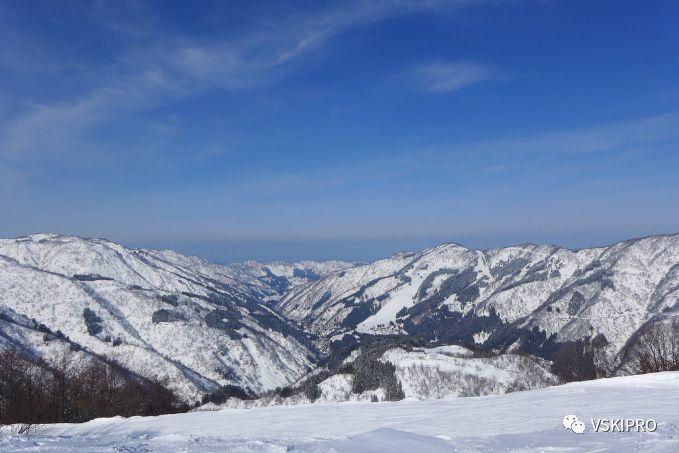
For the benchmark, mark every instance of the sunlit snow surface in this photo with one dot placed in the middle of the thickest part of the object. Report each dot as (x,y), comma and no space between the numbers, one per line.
(51,279)
(522,421)
(611,290)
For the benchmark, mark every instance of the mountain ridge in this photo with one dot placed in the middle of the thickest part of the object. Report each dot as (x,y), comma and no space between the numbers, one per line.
(451,287)
(158,313)
(266,325)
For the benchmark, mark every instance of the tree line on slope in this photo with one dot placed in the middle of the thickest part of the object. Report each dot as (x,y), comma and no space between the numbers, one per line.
(367,370)
(654,349)
(33,392)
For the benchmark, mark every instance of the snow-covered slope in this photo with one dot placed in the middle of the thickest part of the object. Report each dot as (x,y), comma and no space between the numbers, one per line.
(522,421)
(158,313)
(272,280)
(449,371)
(496,297)
(445,372)
(201,325)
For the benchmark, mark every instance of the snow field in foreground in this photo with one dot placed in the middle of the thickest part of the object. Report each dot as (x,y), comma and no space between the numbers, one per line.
(522,421)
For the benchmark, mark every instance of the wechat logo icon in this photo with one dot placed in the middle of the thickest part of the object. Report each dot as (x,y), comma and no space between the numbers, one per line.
(571,422)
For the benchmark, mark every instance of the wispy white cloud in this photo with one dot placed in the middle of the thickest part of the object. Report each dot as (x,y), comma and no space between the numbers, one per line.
(475,160)
(509,155)
(152,71)
(448,76)
(444,185)
(52,129)
(615,136)
(468,169)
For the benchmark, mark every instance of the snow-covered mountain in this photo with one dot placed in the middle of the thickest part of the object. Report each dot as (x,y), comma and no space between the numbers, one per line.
(529,295)
(265,325)
(449,371)
(158,313)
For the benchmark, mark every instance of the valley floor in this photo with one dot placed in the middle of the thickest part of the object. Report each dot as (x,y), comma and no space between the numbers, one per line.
(523,421)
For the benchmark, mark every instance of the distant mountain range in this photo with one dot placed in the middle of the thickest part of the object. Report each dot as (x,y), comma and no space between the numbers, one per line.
(266,325)
(158,313)
(528,295)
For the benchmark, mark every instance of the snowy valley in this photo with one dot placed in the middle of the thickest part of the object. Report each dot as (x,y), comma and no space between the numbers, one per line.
(158,313)
(262,327)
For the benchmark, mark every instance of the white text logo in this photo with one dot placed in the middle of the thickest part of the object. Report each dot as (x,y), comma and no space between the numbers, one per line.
(611,425)
(624,425)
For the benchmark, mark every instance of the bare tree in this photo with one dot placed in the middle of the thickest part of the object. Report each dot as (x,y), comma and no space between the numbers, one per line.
(574,361)
(656,349)
(32,392)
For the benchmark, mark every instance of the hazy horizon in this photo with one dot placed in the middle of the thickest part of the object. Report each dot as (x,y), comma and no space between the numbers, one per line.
(238,251)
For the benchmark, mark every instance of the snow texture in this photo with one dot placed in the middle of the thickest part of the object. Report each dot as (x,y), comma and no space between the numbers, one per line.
(202,325)
(613,291)
(158,313)
(528,421)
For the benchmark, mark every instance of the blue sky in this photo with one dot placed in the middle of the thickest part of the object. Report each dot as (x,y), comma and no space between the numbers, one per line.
(351,130)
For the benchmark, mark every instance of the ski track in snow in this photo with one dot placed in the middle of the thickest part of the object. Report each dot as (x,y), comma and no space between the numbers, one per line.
(523,421)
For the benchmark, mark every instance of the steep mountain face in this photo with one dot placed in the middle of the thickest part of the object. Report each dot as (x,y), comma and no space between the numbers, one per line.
(268,281)
(258,325)
(158,313)
(529,295)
